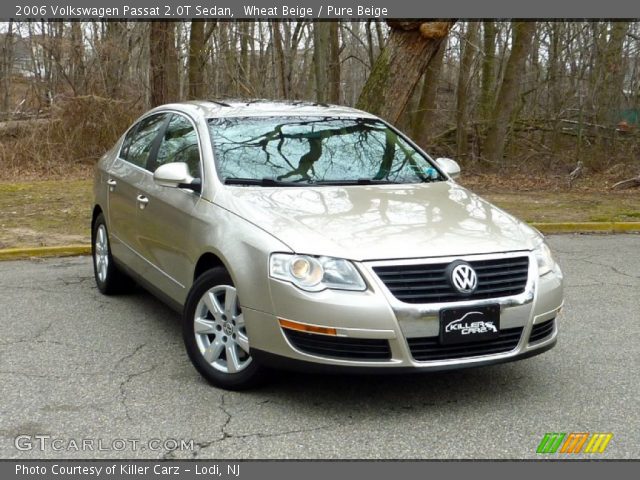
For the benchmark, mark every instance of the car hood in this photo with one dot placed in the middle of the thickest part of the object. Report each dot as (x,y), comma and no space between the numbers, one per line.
(379,222)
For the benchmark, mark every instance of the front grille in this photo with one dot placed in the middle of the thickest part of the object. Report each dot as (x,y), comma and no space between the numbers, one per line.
(429,283)
(429,348)
(339,347)
(542,331)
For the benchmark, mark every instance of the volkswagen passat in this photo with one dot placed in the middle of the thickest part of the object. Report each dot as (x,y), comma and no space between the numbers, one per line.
(304,235)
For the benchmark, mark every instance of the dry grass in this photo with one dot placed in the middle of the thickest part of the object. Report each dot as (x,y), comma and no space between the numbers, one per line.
(544,206)
(45,213)
(79,131)
(550,198)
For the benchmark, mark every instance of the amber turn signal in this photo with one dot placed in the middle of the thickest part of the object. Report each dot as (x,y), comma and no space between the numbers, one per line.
(303,327)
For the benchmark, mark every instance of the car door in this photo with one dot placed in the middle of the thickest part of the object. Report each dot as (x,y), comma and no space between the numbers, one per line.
(125,176)
(166,220)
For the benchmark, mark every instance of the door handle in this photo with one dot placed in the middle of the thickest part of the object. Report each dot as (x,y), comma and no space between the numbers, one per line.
(112,184)
(142,201)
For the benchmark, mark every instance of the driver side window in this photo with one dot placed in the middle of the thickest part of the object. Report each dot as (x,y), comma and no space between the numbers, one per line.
(179,144)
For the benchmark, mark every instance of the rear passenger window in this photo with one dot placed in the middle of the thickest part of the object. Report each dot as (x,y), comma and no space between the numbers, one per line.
(140,140)
(179,144)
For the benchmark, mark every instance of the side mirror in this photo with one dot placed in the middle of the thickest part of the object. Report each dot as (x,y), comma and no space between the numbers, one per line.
(176,175)
(450,167)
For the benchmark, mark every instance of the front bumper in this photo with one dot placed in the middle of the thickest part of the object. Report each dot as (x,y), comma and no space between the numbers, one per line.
(376,316)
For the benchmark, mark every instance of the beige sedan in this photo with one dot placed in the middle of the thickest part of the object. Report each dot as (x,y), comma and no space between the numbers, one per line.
(298,235)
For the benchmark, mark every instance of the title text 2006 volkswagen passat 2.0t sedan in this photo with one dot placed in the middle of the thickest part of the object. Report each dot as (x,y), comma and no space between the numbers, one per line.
(305,235)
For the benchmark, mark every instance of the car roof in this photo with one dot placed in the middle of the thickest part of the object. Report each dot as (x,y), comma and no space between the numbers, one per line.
(264,108)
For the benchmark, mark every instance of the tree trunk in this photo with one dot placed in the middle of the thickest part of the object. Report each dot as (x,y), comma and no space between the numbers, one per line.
(320,60)
(380,34)
(53,56)
(244,57)
(488,69)
(399,67)
(610,68)
(6,72)
(608,94)
(196,60)
(370,46)
(281,67)
(163,64)
(509,89)
(423,118)
(77,76)
(555,99)
(467,54)
(113,55)
(334,62)
(293,65)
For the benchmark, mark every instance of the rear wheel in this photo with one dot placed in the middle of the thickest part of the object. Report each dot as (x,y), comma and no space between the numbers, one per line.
(109,278)
(215,335)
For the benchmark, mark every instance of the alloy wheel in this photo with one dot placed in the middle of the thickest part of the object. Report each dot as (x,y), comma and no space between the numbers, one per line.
(220,330)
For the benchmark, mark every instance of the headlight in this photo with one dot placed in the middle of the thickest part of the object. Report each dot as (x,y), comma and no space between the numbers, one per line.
(544,258)
(315,273)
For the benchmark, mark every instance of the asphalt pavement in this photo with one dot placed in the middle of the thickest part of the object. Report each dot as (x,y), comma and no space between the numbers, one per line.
(88,376)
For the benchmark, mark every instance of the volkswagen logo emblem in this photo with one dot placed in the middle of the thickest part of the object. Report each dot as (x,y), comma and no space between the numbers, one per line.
(464,278)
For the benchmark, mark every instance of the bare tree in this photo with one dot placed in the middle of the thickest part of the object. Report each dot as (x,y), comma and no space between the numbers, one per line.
(468,49)
(423,119)
(280,59)
(509,89)
(163,64)
(556,92)
(410,48)
(245,73)
(609,71)
(334,62)
(488,68)
(113,56)
(321,60)
(6,65)
(197,58)
(77,65)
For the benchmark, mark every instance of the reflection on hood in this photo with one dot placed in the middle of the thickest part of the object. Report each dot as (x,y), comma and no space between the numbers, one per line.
(380,222)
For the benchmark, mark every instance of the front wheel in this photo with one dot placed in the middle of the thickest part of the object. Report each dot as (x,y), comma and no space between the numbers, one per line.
(214,333)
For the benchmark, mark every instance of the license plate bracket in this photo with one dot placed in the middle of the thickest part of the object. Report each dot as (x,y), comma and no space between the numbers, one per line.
(469,324)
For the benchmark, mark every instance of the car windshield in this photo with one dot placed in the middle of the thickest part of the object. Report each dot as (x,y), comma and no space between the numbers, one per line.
(294,151)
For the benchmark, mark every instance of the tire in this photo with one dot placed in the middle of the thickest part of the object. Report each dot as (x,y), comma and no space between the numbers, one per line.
(215,336)
(109,278)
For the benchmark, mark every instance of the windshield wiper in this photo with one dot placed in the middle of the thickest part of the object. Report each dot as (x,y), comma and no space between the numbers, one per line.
(356,181)
(272,182)
(263,182)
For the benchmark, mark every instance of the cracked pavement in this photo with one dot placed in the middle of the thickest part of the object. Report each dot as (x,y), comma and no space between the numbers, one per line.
(77,365)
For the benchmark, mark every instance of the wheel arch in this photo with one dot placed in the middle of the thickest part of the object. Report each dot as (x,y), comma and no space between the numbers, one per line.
(97,210)
(212,259)
(207,261)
